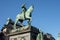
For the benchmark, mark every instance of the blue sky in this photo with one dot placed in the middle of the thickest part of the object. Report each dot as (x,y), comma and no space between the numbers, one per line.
(46,14)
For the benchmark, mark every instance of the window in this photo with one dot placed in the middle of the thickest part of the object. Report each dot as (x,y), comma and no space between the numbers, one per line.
(22,38)
(15,38)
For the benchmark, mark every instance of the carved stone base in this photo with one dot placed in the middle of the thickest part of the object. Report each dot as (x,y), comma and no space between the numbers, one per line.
(25,33)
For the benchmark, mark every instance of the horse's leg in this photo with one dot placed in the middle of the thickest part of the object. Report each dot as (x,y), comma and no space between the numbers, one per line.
(21,22)
(29,21)
(15,23)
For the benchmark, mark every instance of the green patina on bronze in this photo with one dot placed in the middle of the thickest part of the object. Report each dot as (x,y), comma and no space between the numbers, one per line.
(40,36)
(24,15)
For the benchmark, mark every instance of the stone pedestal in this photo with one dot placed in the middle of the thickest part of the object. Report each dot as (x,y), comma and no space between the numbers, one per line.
(26,34)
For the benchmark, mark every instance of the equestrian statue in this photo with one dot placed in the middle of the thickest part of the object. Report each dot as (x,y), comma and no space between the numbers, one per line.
(24,15)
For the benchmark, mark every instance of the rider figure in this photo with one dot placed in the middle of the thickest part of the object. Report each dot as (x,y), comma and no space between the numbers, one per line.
(23,8)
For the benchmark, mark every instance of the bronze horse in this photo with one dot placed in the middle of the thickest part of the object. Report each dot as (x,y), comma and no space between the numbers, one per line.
(24,15)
